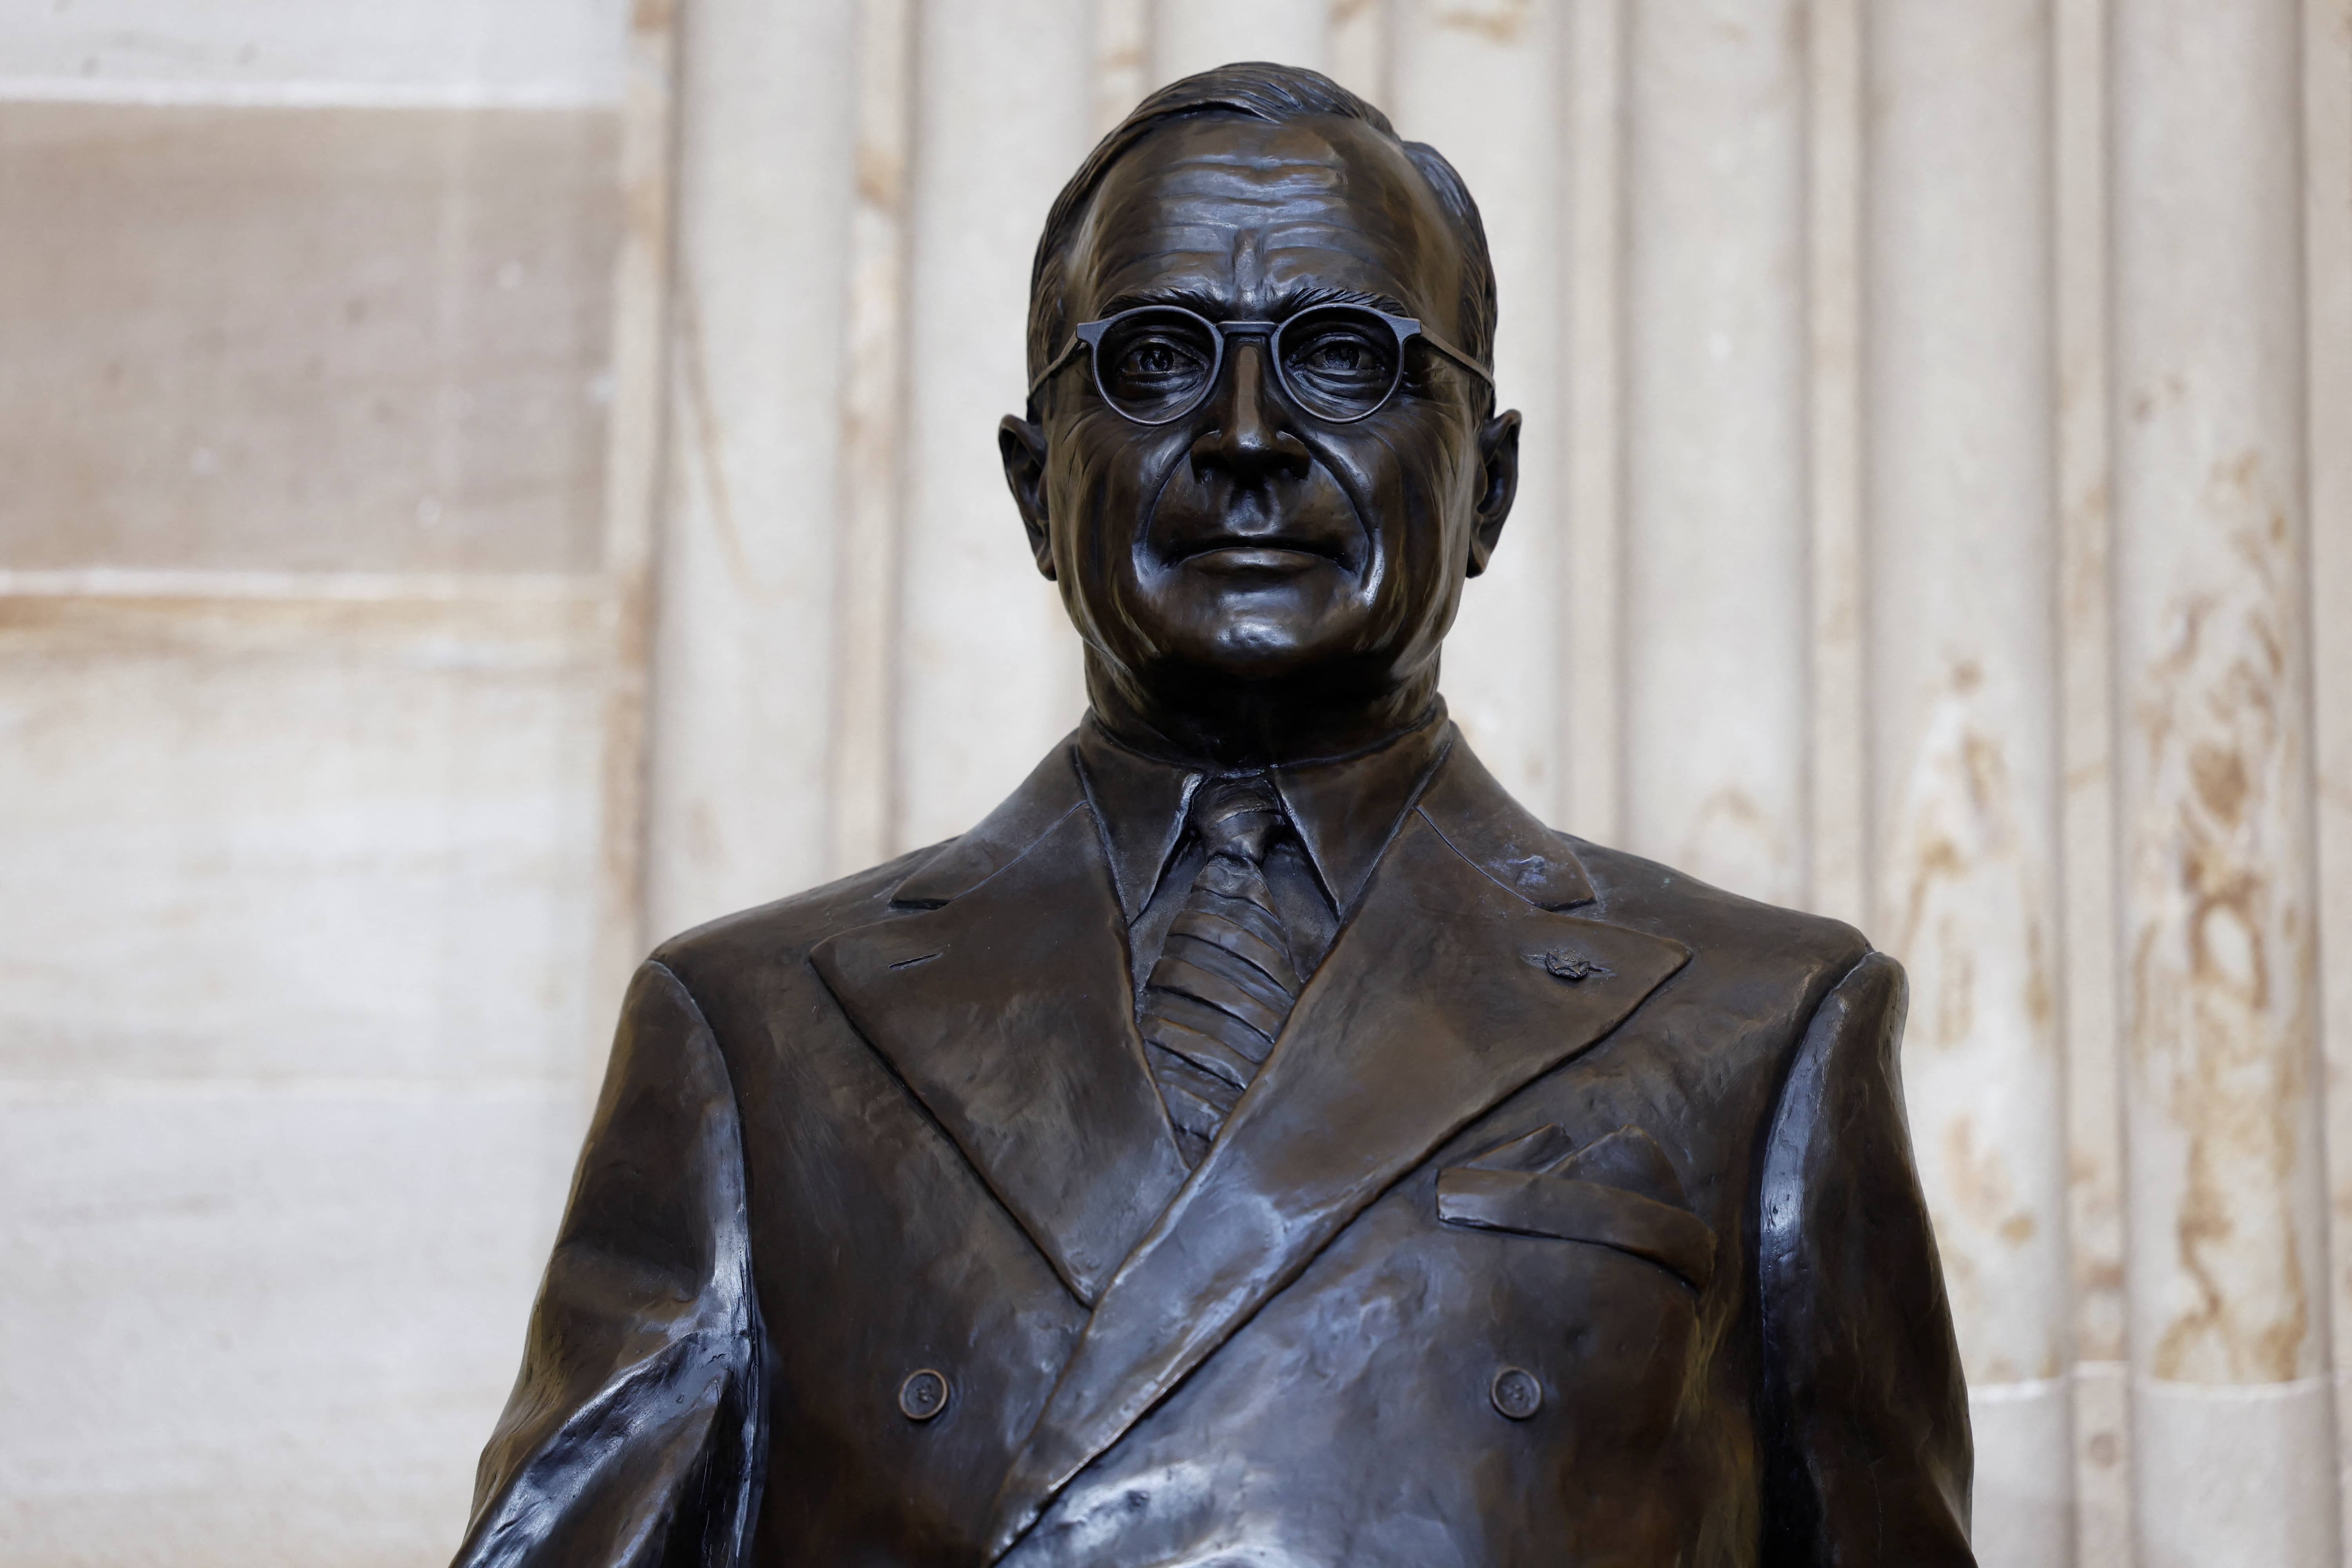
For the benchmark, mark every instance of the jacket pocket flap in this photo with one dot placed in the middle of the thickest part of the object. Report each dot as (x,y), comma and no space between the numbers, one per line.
(1540,1204)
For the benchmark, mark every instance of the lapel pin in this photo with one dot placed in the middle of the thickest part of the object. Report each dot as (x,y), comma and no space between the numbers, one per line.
(1571,967)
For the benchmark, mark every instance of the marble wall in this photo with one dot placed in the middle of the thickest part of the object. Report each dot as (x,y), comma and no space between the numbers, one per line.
(496,481)
(308,657)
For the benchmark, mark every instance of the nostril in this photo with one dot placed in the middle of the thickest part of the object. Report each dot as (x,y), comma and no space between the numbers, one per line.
(1251,439)
(1249,451)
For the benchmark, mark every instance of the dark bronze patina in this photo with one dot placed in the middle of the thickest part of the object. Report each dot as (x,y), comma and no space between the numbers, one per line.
(1260,1140)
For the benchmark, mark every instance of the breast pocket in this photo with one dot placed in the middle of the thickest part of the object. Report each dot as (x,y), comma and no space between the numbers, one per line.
(1618,1191)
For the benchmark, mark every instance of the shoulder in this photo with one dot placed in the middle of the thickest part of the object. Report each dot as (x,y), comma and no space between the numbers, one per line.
(1776,1008)
(773,939)
(1645,893)
(758,954)
(1762,957)
(1759,957)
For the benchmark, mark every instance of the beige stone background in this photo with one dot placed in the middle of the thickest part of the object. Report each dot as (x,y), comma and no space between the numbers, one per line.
(487,483)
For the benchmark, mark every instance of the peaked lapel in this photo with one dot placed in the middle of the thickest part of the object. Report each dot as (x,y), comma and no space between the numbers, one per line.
(1008,1010)
(1453,987)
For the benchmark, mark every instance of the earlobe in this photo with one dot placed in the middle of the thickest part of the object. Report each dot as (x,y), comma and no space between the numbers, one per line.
(1498,452)
(1021,443)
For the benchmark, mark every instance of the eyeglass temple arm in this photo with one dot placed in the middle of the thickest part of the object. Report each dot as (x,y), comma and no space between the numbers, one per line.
(1482,372)
(1069,354)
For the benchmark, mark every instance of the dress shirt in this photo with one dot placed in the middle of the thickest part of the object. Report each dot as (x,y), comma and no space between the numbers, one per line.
(1339,813)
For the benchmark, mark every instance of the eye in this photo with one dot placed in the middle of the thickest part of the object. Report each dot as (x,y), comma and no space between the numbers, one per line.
(1153,363)
(1341,359)
(1337,354)
(1157,359)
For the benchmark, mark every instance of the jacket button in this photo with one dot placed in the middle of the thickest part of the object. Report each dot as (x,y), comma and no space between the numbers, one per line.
(923,1395)
(1516,1393)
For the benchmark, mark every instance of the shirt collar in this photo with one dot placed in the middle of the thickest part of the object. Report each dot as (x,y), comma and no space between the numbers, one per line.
(1344,810)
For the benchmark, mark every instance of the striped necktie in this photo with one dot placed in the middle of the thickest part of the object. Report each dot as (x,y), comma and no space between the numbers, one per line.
(1217,998)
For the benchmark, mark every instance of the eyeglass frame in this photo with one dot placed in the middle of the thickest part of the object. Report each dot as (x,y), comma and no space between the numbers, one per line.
(1088,335)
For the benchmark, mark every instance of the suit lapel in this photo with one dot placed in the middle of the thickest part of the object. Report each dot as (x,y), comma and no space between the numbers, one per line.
(1451,988)
(1008,1011)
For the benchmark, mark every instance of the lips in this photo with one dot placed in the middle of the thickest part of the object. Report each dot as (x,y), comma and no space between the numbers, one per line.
(1250,529)
(1255,552)
(1257,562)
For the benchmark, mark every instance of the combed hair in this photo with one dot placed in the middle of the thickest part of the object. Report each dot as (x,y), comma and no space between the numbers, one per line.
(1252,89)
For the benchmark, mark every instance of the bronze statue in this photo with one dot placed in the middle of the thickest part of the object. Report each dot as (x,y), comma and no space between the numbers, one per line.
(1260,1140)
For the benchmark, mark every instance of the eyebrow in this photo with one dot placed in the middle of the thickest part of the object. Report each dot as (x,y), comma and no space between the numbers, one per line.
(1290,302)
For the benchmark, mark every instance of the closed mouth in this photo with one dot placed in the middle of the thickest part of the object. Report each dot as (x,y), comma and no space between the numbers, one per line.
(1243,554)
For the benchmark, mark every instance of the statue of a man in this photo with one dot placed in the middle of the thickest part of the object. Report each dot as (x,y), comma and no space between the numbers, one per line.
(1260,1140)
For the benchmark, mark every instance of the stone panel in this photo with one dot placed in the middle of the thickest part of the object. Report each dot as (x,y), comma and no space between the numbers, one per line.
(271,839)
(989,669)
(565,49)
(304,338)
(2227,1264)
(755,512)
(1481,84)
(250,1325)
(1716,620)
(1200,34)
(1963,668)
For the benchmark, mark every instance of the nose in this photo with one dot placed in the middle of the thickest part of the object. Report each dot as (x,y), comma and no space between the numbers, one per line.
(1251,438)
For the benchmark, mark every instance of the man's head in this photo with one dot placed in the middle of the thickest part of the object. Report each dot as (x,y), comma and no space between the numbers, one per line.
(1268,550)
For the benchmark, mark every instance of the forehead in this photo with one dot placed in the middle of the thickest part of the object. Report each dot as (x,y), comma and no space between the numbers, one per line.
(1245,213)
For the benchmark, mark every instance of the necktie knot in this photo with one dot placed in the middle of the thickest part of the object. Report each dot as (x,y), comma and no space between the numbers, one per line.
(1225,984)
(1236,818)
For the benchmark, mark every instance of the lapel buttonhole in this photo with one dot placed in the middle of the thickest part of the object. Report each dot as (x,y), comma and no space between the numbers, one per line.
(1572,967)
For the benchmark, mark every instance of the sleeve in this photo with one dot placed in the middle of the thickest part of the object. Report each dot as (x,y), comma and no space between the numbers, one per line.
(635,1435)
(1867,1454)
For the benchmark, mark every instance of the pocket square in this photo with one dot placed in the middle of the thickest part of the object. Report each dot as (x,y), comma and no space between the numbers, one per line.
(1619,1192)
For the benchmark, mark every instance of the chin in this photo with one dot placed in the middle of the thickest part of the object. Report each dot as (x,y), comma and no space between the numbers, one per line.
(1256,642)
(1250,622)
(1269,657)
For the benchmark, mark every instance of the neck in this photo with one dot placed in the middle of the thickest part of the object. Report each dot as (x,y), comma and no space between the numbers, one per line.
(1237,728)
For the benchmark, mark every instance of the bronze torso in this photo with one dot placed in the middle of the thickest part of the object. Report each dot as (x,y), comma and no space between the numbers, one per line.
(1572,1220)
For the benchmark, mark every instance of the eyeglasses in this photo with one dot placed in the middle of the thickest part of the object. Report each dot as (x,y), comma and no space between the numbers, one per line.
(1341,363)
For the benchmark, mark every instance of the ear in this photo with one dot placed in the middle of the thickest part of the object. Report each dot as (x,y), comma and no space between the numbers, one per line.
(1023,445)
(1498,455)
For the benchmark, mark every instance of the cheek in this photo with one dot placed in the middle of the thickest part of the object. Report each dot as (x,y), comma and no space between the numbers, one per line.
(1409,485)
(1097,485)
(1100,482)
(1366,474)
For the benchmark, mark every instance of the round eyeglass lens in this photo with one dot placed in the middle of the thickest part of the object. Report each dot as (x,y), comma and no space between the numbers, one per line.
(1339,362)
(1153,365)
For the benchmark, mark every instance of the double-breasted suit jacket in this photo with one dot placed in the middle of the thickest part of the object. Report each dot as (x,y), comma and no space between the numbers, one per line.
(1571,1220)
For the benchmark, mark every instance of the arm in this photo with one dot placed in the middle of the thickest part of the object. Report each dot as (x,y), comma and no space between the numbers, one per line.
(634,1435)
(1866,1416)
